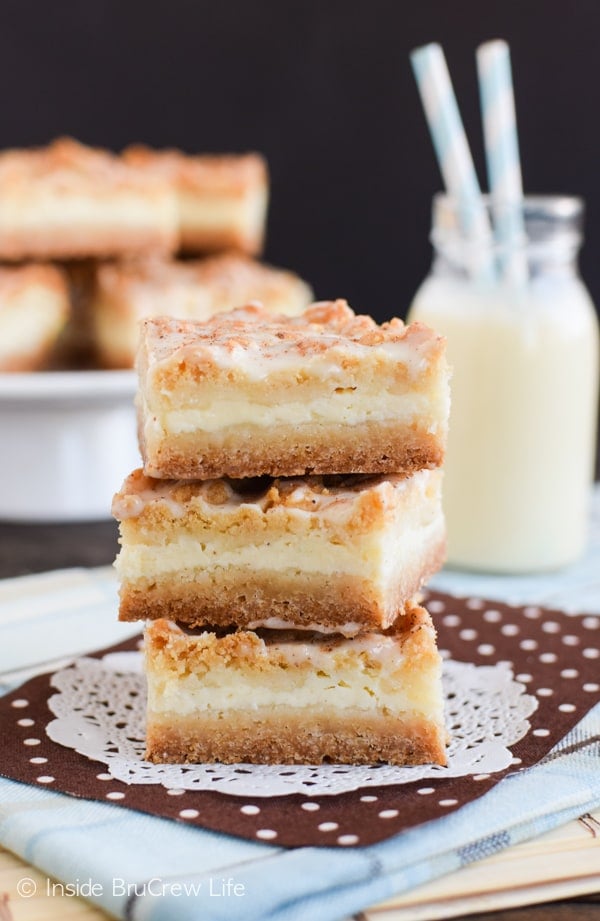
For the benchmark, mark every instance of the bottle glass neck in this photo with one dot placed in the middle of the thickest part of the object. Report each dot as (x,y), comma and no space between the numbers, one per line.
(488,241)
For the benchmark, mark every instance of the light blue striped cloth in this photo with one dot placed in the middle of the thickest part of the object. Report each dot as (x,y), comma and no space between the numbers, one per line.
(147,868)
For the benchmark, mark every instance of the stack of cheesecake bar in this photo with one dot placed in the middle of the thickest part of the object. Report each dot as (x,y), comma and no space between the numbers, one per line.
(287,514)
(90,242)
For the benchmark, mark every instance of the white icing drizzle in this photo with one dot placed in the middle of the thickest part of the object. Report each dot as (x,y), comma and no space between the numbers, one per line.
(295,494)
(349,629)
(252,340)
(385,650)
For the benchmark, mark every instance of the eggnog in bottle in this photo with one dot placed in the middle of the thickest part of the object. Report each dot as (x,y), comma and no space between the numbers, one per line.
(524,358)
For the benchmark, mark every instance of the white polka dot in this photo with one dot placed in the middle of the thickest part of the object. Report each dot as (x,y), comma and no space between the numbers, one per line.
(31,742)
(369,799)
(468,634)
(104,777)
(38,761)
(544,692)
(436,607)
(492,616)
(571,640)
(347,839)
(550,626)
(567,708)
(267,834)
(541,733)
(528,645)
(310,807)
(524,677)
(250,810)
(591,623)
(548,658)
(591,687)
(591,653)
(20,703)
(175,791)
(451,620)
(424,791)
(189,814)
(115,794)
(532,611)
(509,629)
(475,604)
(448,802)
(569,673)
(328,826)
(481,776)
(486,649)
(45,778)
(25,722)
(388,814)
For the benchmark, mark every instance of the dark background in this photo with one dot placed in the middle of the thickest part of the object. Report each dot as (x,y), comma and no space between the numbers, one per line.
(324,88)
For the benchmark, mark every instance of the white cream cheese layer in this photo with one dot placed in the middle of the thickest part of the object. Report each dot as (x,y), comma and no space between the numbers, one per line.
(122,210)
(378,558)
(312,554)
(214,214)
(29,321)
(322,685)
(334,408)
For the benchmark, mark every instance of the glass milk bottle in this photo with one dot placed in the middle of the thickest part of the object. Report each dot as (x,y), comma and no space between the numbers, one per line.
(524,358)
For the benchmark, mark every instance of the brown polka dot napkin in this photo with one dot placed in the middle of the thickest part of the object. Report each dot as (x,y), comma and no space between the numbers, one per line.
(555,655)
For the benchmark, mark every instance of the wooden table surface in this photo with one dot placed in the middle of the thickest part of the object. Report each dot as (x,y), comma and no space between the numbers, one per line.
(28,548)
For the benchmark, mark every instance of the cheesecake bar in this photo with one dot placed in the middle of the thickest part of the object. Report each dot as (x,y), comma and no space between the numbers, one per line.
(34,308)
(335,554)
(127,292)
(277,697)
(222,199)
(247,393)
(68,201)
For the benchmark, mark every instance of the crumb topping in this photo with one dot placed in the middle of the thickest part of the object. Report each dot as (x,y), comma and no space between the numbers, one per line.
(252,331)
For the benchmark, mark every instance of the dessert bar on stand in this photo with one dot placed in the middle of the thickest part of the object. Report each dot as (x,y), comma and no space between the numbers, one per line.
(92,241)
(123,293)
(288,512)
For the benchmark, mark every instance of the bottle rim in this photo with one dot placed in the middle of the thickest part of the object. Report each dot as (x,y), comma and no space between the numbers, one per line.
(559,205)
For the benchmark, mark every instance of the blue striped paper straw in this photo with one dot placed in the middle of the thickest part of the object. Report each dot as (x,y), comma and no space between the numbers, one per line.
(502,155)
(453,153)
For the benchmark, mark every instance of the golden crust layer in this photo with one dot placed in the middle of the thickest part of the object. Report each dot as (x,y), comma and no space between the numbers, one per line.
(289,738)
(370,448)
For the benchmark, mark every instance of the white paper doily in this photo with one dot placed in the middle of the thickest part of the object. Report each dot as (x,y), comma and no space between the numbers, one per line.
(100,712)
